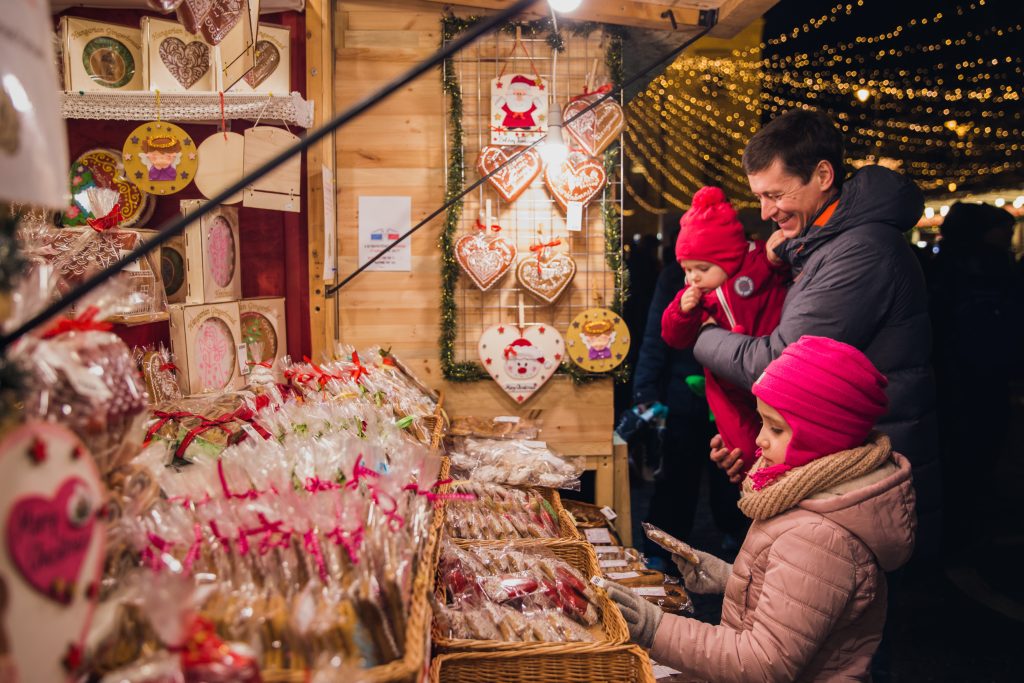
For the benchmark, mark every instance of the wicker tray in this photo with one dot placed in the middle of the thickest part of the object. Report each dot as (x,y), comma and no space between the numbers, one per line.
(567,530)
(618,664)
(611,629)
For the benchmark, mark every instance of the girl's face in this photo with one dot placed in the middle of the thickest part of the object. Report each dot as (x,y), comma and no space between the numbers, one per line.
(703,275)
(775,434)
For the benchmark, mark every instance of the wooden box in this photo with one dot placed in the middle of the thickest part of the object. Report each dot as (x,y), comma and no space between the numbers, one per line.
(100,57)
(212,264)
(174,60)
(205,341)
(263,324)
(271,74)
(172,269)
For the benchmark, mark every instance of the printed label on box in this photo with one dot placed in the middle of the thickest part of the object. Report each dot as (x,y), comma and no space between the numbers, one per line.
(608,513)
(608,549)
(610,564)
(651,591)
(598,536)
(622,575)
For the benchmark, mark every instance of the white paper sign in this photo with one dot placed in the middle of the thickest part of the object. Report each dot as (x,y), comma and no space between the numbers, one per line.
(616,576)
(608,549)
(651,591)
(33,136)
(598,536)
(611,564)
(382,220)
(330,227)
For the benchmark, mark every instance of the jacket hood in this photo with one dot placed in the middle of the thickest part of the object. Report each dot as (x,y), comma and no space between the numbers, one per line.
(878,508)
(874,194)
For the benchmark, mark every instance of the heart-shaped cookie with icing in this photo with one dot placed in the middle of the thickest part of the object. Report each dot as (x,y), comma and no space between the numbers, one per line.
(511,180)
(521,359)
(546,278)
(186,62)
(598,127)
(267,60)
(484,260)
(579,178)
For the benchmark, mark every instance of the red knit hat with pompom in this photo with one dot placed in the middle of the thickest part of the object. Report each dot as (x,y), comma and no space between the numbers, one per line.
(711,231)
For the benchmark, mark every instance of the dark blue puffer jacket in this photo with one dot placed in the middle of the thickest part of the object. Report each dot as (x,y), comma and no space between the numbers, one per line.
(856,280)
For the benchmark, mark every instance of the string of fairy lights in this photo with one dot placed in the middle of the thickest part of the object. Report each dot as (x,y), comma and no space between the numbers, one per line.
(945,118)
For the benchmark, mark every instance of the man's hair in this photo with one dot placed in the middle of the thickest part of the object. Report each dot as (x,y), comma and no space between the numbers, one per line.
(800,138)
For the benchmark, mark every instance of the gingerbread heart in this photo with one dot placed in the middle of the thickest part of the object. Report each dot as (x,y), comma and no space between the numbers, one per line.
(546,278)
(579,178)
(187,63)
(212,19)
(521,360)
(597,128)
(485,261)
(267,61)
(511,180)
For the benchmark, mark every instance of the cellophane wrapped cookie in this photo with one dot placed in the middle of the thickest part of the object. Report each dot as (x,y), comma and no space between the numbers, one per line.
(491,512)
(519,462)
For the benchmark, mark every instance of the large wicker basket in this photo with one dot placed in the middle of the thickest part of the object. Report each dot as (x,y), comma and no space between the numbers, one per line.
(618,664)
(611,630)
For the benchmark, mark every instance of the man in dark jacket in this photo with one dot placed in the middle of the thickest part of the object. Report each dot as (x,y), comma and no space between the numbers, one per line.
(856,280)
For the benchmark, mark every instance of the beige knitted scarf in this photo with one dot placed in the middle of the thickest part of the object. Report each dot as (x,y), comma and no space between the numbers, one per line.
(814,477)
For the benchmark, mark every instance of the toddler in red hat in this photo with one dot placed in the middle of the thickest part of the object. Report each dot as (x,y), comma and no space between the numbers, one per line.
(833,510)
(739,283)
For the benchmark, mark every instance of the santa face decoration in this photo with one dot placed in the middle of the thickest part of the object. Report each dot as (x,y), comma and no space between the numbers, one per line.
(519,109)
(521,360)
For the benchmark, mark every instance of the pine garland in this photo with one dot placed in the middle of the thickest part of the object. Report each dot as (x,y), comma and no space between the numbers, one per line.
(470,371)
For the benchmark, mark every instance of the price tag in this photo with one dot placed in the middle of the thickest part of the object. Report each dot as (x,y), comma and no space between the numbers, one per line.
(651,591)
(608,549)
(598,536)
(242,353)
(574,216)
(514,419)
(608,513)
(611,564)
(251,432)
(622,575)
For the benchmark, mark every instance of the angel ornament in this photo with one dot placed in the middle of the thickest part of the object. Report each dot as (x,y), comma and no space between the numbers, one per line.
(160,158)
(598,336)
(161,155)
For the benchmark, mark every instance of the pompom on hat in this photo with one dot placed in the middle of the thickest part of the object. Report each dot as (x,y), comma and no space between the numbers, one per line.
(711,231)
(829,393)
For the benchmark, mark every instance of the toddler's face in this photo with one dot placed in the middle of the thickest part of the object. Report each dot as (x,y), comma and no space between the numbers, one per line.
(703,275)
(775,434)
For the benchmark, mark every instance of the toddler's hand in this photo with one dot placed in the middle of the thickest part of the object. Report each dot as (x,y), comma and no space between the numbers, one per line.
(774,242)
(690,299)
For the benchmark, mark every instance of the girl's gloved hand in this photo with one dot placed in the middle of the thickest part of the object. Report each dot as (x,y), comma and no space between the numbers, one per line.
(642,617)
(708,577)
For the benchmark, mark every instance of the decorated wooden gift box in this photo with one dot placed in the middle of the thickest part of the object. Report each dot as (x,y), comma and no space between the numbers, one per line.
(174,60)
(212,269)
(271,74)
(100,57)
(172,269)
(263,328)
(205,342)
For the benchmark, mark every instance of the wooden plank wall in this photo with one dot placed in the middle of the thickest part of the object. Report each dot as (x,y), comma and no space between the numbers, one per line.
(398,149)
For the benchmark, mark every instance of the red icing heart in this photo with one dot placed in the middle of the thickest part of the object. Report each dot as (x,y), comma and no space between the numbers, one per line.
(579,178)
(48,538)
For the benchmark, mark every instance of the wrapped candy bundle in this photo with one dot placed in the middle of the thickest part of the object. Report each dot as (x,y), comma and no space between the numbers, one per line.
(493,512)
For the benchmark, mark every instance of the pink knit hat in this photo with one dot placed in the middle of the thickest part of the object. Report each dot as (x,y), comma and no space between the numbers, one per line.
(711,231)
(830,395)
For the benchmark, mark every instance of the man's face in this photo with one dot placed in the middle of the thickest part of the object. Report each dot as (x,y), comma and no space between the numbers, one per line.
(789,201)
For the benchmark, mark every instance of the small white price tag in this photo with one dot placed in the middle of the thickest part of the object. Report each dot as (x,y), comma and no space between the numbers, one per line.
(574,216)
(608,549)
(251,432)
(598,536)
(608,513)
(612,564)
(514,419)
(651,591)
(616,576)
(242,353)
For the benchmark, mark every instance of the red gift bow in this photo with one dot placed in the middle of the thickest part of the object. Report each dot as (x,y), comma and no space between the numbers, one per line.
(263,364)
(359,370)
(168,367)
(539,248)
(606,88)
(111,220)
(83,322)
(480,226)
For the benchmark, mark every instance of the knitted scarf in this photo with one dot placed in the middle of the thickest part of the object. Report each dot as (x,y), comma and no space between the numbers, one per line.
(816,476)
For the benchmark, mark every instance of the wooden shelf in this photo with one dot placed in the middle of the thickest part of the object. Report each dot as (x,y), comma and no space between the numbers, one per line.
(292,109)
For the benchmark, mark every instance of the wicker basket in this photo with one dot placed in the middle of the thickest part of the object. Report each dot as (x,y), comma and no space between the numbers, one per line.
(617,664)
(567,530)
(610,631)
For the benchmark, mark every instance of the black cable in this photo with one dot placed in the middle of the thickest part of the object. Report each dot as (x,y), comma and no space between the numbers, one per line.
(176,226)
(333,289)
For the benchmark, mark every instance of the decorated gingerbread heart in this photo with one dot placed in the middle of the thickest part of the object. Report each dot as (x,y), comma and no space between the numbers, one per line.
(579,178)
(267,60)
(485,260)
(546,275)
(598,127)
(186,62)
(511,180)
(50,497)
(519,359)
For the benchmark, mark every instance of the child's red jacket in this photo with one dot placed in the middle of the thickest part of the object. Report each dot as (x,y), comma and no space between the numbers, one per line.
(750,302)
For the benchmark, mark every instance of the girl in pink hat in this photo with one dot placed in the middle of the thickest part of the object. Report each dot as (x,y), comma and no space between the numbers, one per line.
(740,284)
(833,510)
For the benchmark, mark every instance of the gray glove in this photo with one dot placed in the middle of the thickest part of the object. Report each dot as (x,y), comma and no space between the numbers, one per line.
(642,617)
(707,577)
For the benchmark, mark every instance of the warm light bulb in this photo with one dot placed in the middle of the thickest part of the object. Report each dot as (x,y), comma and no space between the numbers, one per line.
(564,5)
(929,212)
(553,150)
(952,187)
(943,210)
(863,94)
(1018,202)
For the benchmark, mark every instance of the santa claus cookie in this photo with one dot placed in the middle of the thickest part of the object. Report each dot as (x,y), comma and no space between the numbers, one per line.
(521,359)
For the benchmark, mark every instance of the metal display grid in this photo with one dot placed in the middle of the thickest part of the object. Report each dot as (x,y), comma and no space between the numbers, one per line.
(534,216)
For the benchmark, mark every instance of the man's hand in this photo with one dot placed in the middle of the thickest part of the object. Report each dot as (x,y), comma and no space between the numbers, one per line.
(690,299)
(730,461)
(775,240)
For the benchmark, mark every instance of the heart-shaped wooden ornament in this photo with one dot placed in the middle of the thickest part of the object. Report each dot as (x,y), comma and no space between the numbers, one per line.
(186,62)
(50,497)
(267,61)
(514,178)
(546,278)
(521,360)
(597,128)
(484,260)
(579,178)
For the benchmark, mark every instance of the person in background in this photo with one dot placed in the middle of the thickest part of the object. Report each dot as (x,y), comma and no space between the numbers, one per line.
(833,509)
(674,378)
